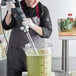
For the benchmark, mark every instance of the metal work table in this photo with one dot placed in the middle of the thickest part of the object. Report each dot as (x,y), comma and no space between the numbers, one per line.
(65,56)
(65,60)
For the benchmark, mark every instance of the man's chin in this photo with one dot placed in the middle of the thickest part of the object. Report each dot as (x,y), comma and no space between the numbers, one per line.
(34,5)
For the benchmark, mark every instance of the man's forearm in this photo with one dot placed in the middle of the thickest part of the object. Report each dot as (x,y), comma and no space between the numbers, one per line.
(8,18)
(37,29)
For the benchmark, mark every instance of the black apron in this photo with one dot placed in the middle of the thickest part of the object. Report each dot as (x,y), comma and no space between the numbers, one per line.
(16,57)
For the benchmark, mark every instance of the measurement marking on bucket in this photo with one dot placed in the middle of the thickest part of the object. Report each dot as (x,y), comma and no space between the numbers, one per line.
(45,68)
(42,72)
(41,65)
(41,58)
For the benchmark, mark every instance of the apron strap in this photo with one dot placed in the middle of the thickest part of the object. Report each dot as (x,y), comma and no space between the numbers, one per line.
(37,11)
(23,4)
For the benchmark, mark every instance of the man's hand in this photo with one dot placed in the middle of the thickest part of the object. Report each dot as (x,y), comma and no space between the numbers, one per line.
(36,28)
(8,18)
(10,5)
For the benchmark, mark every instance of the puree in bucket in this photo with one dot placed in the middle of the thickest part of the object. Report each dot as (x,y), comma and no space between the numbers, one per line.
(39,65)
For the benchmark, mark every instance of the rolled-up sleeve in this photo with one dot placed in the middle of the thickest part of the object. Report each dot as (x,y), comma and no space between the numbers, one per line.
(11,25)
(46,24)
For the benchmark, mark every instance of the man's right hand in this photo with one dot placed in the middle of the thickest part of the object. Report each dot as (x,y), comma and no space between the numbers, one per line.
(8,18)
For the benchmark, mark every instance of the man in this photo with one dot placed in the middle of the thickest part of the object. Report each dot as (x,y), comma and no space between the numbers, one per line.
(40,27)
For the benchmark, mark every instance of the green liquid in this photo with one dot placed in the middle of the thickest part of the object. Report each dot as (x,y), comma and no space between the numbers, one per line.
(39,65)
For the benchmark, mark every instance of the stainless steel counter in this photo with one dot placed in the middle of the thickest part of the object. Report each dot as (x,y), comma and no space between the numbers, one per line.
(3,67)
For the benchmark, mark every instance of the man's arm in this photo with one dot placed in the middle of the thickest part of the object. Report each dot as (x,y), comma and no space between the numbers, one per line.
(9,21)
(36,28)
(45,23)
(45,28)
